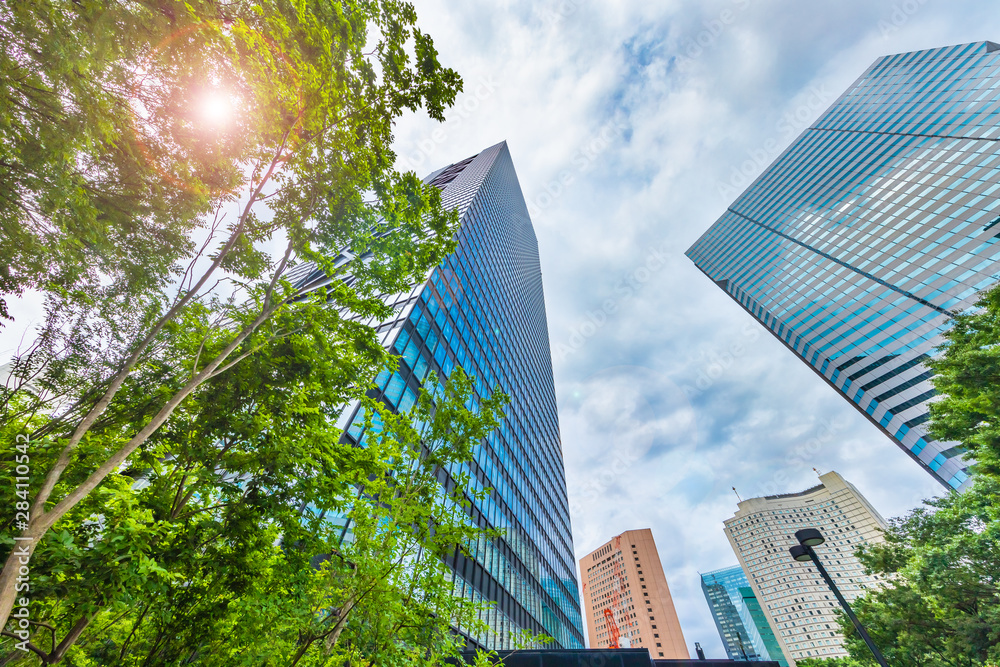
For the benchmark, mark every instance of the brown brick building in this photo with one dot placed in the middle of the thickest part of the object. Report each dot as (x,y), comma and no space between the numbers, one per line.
(625,592)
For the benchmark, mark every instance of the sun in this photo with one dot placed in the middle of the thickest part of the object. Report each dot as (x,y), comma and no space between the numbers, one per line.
(215,108)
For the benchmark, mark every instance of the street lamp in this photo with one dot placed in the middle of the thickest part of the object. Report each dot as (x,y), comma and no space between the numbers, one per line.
(803,551)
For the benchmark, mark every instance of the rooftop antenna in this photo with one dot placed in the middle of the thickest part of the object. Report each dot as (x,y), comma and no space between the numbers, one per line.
(816,471)
(737,494)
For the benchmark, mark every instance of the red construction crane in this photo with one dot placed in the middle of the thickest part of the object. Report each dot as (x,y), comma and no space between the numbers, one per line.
(612,628)
(618,587)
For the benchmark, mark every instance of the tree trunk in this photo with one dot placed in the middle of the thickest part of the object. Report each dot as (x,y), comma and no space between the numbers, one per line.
(19,557)
(331,639)
(68,640)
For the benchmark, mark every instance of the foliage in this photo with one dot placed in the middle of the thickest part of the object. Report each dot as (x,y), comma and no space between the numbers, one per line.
(827,662)
(231,552)
(80,202)
(940,605)
(181,393)
(257,426)
(109,157)
(968,376)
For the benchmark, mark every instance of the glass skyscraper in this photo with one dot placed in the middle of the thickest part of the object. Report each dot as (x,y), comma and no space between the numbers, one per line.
(758,619)
(875,226)
(483,309)
(742,625)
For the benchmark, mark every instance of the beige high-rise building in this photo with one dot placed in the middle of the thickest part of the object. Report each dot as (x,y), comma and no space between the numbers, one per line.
(625,593)
(799,605)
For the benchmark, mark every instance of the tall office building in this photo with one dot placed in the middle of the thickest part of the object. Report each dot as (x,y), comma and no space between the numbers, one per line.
(758,620)
(876,225)
(742,624)
(626,598)
(798,604)
(483,310)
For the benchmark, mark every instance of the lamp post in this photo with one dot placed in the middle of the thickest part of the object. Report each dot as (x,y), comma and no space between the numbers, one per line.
(803,551)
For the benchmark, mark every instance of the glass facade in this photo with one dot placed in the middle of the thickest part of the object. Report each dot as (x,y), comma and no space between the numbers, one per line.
(742,624)
(482,309)
(758,619)
(871,230)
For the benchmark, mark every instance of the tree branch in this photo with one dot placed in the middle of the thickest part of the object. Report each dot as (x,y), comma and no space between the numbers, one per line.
(42,520)
(31,647)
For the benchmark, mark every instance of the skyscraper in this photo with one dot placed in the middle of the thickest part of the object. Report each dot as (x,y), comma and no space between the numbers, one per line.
(875,226)
(799,606)
(627,600)
(758,620)
(742,624)
(483,310)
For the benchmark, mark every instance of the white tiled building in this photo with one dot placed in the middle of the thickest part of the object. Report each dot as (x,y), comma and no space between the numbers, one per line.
(800,606)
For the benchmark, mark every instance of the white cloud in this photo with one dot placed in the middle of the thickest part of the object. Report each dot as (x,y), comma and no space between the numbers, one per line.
(567,68)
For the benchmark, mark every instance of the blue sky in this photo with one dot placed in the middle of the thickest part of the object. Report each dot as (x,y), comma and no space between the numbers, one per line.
(632,125)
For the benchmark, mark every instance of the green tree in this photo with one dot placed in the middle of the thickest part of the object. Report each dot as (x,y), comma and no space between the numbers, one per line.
(189,508)
(109,157)
(828,662)
(940,602)
(967,376)
(385,596)
(81,204)
(239,577)
(301,164)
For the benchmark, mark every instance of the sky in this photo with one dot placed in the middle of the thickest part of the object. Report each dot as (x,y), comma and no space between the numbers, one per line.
(632,125)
